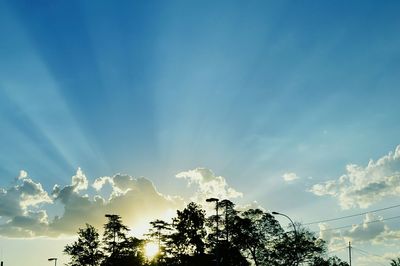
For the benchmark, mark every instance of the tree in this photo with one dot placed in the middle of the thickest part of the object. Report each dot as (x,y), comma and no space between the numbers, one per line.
(331,261)
(255,233)
(223,248)
(230,255)
(294,248)
(114,234)
(121,249)
(187,242)
(86,250)
(158,233)
(229,214)
(395,262)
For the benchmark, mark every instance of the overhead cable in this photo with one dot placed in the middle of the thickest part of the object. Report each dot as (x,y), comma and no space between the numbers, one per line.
(353,215)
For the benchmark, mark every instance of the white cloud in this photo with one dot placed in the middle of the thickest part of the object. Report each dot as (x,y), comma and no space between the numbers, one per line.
(290,177)
(208,185)
(22,197)
(363,186)
(327,188)
(100,182)
(372,230)
(24,206)
(135,199)
(22,174)
(79,180)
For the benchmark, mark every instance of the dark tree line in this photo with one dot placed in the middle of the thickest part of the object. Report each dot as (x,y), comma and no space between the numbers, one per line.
(231,238)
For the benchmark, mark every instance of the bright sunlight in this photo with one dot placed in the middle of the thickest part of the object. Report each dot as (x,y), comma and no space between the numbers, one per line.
(151,250)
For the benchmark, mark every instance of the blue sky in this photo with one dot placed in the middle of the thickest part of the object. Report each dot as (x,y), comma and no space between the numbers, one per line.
(251,90)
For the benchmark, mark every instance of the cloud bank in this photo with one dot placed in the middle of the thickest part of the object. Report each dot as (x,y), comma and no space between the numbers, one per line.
(362,186)
(27,210)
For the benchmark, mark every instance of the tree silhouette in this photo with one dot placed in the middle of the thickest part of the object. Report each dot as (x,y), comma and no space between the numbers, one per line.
(186,244)
(395,262)
(332,261)
(158,233)
(255,233)
(293,249)
(114,234)
(229,214)
(86,250)
(121,249)
(251,237)
(223,248)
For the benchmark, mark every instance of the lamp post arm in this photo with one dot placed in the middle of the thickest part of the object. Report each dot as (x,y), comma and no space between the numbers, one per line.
(294,226)
(295,232)
(291,221)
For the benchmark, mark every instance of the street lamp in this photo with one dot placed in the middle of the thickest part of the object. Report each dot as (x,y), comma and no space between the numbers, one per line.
(55,260)
(294,229)
(217,231)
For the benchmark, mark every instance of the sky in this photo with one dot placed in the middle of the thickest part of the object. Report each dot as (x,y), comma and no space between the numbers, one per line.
(139,107)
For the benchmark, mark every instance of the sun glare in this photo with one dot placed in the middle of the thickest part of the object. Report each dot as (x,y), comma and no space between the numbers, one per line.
(151,250)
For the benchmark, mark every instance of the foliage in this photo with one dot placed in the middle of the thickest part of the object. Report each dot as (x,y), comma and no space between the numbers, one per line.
(255,233)
(294,248)
(121,249)
(395,262)
(251,237)
(332,261)
(188,238)
(159,233)
(229,255)
(86,250)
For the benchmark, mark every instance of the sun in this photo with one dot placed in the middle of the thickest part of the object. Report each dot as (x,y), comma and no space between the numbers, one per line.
(151,250)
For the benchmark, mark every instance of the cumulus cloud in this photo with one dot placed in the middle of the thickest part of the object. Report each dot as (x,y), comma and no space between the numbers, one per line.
(208,185)
(370,229)
(79,180)
(135,199)
(24,195)
(373,230)
(25,206)
(22,174)
(290,177)
(100,182)
(27,210)
(362,186)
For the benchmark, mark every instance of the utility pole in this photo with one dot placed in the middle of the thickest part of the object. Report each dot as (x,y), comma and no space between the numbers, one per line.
(349,253)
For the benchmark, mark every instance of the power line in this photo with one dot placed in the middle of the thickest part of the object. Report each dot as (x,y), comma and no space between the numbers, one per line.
(369,253)
(365,253)
(353,215)
(336,250)
(370,222)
